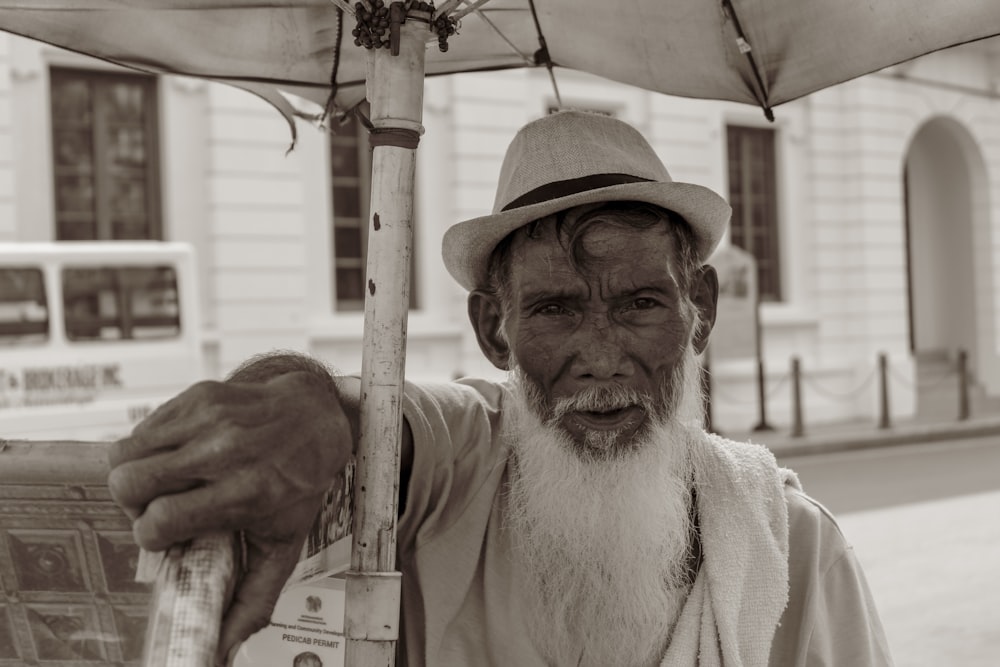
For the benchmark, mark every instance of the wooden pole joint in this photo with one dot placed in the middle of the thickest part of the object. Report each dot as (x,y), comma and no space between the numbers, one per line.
(378,618)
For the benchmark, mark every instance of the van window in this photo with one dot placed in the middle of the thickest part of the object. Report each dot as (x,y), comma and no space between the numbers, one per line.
(121,303)
(24,311)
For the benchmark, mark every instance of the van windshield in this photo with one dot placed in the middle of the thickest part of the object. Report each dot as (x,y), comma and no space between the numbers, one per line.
(121,303)
(24,312)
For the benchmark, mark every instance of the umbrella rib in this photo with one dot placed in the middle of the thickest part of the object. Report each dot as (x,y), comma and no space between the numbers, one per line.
(543,52)
(527,59)
(445,7)
(344,5)
(745,48)
(474,7)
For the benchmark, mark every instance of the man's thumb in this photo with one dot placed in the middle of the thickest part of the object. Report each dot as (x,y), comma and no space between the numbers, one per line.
(254,598)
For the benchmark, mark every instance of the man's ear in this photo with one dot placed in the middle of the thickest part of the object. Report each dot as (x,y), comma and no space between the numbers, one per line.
(486,315)
(705,296)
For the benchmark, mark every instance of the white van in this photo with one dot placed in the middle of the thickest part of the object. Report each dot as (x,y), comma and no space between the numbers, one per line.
(93,335)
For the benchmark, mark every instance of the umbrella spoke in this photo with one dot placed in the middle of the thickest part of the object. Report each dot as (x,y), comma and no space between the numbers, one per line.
(344,6)
(445,8)
(470,7)
(542,54)
(528,60)
(747,50)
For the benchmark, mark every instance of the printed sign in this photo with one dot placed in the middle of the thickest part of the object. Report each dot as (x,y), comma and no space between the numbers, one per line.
(735,333)
(56,385)
(307,626)
(306,629)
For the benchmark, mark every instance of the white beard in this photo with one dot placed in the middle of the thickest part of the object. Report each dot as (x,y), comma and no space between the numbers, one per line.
(603,544)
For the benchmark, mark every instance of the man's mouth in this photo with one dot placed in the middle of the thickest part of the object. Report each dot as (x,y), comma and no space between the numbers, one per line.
(607,420)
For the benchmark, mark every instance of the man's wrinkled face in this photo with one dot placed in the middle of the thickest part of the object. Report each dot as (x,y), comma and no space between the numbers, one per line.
(597,346)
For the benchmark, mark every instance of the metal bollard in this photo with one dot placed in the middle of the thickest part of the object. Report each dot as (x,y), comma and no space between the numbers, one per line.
(883,376)
(797,428)
(963,385)
(762,424)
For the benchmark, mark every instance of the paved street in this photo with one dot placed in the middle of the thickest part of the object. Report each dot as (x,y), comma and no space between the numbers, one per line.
(870,478)
(925,522)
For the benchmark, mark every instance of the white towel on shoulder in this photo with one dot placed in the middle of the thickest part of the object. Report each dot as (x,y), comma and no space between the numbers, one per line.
(741,589)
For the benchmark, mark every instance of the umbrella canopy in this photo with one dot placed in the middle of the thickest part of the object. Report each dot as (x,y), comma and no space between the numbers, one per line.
(762,52)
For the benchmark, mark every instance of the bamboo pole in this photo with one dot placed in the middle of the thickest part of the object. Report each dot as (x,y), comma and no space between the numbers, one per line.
(395,91)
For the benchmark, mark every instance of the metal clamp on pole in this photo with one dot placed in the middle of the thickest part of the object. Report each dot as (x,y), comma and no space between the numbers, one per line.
(378,618)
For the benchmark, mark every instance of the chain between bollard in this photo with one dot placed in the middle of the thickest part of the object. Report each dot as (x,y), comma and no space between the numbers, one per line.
(720,392)
(936,380)
(798,426)
(842,396)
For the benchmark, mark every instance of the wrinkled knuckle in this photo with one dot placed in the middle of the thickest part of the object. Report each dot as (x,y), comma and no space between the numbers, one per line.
(155,528)
(125,487)
(219,446)
(159,514)
(137,441)
(206,392)
(224,435)
(119,484)
(204,388)
(270,492)
(214,412)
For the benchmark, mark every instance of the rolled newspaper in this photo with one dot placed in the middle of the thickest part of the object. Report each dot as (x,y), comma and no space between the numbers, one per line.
(192,583)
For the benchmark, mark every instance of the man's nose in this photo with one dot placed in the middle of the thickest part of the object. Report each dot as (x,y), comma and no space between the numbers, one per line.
(599,350)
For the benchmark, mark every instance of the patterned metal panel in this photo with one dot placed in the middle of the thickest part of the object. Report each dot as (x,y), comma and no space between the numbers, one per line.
(67,590)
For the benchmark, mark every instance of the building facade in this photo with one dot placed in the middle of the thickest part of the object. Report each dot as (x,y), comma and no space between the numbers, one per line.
(870,208)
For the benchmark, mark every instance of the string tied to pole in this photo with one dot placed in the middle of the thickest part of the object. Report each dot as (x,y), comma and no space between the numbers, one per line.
(393,136)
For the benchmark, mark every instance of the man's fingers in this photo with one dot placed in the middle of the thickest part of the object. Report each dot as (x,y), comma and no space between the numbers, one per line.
(223,506)
(255,595)
(174,518)
(133,485)
(130,448)
(177,421)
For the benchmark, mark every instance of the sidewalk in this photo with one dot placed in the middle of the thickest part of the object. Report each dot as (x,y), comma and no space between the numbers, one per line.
(932,564)
(933,572)
(844,436)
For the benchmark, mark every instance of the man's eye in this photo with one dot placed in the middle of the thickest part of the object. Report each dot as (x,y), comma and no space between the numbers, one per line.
(642,304)
(551,309)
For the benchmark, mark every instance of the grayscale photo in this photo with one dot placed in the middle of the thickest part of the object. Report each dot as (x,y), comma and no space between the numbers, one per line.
(513,333)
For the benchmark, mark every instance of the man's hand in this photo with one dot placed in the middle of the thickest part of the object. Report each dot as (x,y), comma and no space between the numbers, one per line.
(224,457)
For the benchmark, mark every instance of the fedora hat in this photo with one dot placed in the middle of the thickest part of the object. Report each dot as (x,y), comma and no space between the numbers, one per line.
(568,159)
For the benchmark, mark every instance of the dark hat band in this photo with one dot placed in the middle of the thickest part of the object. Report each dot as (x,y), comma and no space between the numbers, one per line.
(571,186)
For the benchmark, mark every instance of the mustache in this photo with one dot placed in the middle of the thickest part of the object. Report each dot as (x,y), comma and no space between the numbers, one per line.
(606,398)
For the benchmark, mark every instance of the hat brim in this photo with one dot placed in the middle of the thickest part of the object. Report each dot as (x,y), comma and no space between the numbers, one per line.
(467,245)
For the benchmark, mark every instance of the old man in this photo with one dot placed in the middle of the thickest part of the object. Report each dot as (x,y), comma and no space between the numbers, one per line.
(576,514)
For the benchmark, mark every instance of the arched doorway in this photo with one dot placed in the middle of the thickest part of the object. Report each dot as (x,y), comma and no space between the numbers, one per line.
(947,215)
